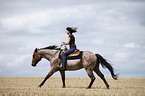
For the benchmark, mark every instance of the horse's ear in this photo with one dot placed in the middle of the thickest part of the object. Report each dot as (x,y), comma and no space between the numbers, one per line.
(36,50)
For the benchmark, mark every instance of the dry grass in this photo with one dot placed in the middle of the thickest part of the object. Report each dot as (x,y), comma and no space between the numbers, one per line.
(76,86)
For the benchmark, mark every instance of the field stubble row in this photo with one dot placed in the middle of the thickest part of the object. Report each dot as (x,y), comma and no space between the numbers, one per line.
(75,86)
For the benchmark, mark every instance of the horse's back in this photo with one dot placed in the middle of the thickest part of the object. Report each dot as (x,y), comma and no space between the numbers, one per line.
(88,59)
(87,55)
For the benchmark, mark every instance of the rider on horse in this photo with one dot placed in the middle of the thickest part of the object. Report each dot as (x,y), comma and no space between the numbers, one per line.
(90,61)
(71,43)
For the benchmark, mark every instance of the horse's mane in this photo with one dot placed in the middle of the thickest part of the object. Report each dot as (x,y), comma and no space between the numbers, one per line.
(53,47)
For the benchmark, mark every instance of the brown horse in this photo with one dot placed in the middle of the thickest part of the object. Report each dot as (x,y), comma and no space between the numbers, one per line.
(90,62)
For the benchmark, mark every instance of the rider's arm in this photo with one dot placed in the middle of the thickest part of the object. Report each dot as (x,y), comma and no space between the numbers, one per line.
(66,43)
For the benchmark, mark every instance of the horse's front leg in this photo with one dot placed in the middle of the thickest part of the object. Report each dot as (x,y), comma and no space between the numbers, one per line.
(51,72)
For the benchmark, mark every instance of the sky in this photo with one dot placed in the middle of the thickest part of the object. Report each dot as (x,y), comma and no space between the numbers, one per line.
(114,29)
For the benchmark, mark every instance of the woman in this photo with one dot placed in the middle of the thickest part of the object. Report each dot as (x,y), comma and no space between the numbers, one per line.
(71,43)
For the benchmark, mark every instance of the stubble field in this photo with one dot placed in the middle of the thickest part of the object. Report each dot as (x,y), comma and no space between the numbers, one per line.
(75,86)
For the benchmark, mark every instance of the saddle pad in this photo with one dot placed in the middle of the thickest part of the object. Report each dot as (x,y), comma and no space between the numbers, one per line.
(71,57)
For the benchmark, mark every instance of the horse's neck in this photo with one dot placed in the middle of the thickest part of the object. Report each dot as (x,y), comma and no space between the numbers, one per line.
(47,53)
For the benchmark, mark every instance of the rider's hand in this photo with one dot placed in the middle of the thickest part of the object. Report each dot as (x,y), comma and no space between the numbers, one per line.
(62,43)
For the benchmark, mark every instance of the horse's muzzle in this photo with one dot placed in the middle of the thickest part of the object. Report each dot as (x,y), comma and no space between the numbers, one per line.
(33,65)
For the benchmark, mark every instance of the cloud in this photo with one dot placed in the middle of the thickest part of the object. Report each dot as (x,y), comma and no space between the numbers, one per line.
(120,56)
(114,29)
(16,62)
(131,45)
(31,22)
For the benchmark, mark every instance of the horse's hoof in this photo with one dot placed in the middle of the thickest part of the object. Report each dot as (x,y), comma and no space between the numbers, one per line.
(107,86)
(88,88)
(63,87)
(39,86)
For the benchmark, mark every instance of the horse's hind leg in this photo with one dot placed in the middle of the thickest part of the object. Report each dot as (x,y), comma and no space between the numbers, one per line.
(92,77)
(98,72)
(62,72)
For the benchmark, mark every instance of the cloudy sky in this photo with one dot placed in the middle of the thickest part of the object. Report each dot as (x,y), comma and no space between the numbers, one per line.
(113,28)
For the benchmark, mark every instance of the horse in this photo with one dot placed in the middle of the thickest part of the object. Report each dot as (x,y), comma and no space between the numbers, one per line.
(90,62)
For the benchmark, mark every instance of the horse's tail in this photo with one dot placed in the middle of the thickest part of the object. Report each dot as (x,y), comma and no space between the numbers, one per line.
(105,64)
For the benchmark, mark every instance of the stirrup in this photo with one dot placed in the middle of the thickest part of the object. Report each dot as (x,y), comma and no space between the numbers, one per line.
(64,67)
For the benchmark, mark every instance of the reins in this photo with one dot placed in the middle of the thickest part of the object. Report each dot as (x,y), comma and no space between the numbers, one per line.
(55,53)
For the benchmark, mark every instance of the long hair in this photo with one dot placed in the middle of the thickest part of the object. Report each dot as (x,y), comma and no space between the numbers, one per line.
(72,29)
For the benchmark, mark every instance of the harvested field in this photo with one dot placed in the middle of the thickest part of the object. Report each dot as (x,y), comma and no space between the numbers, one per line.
(75,86)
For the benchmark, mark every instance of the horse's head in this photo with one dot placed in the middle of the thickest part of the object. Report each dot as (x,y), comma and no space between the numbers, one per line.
(36,58)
